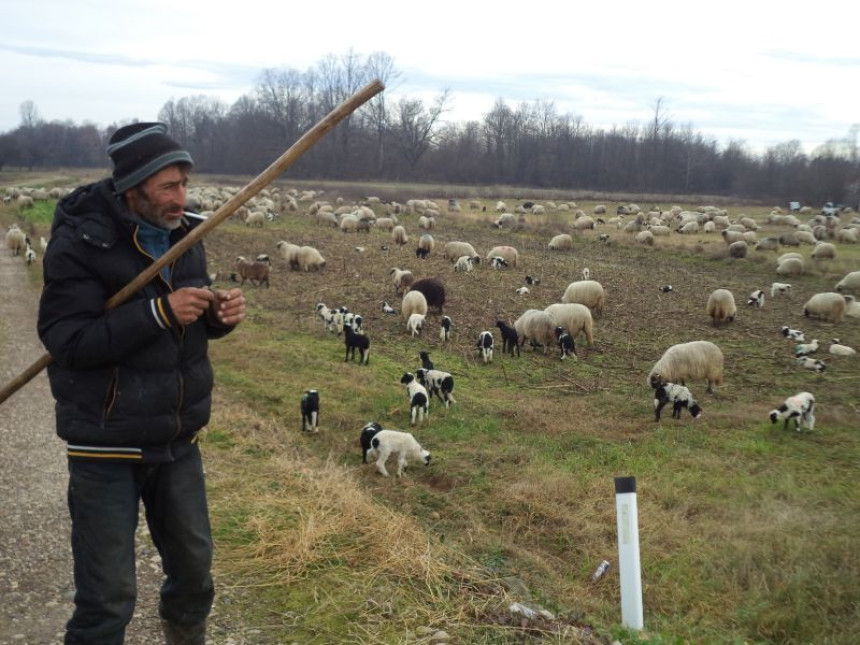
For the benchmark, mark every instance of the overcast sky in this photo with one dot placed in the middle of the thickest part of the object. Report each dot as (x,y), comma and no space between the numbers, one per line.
(759,71)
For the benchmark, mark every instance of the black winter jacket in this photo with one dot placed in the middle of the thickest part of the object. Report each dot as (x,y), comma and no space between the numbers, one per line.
(130,383)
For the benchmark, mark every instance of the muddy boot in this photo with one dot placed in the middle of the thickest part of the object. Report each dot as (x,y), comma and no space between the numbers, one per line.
(184,635)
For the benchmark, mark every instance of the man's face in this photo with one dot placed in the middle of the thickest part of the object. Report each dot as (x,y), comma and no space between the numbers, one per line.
(160,200)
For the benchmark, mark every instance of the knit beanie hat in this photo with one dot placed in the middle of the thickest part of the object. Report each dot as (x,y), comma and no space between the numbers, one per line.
(141,150)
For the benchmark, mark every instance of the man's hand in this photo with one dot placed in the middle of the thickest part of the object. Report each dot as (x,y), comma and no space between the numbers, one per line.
(189,303)
(229,306)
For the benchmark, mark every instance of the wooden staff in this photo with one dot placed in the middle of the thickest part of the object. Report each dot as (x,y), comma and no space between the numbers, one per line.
(262,180)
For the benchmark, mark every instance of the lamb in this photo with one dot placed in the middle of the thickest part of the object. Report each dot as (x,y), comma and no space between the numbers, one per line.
(29,254)
(799,407)
(532,281)
(561,242)
(353,341)
(509,338)
(445,328)
(415,324)
(402,279)
(538,327)
(508,253)
(780,287)
(721,307)
(455,250)
(586,273)
(325,314)
(498,262)
(850,283)
(837,348)
(698,359)
(666,288)
(368,432)
(419,401)
(387,309)
(485,344)
(384,443)
(574,317)
(756,298)
(827,306)
(679,396)
(433,291)
(585,292)
(464,263)
(805,349)
(565,343)
(414,302)
(793,334)
(437,382)
(310,409)
(811,364)
(308,258)
(522,291)
(256,272)
(426,363)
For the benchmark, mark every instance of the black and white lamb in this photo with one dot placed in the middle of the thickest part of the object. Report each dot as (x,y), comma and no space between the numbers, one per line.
(756,298)
(793,334)
(387,309)
(805,349)
(510,338)
(310,408)
(485,344)
(532,281)
(354,341)
(385,443)
(799,407)
(445,328)
(666,288)
(426,363)
(437,382)
(565,343)
(367,433)
(419,400)
(809,363)
(679,396)
(498,262)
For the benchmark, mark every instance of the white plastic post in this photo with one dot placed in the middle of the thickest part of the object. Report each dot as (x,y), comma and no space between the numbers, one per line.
(629,571)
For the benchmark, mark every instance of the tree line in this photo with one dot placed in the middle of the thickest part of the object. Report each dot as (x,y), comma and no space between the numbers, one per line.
(410,140)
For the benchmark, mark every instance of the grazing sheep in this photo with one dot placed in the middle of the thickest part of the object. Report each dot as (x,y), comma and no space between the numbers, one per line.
(756,298)
(464,263)
(255,218)
(738,250)
(485,344)
(698,359)
(415,323)
(780,287)
(824,251)
(385,443)
(445,328)
(837,348)
(645,237)
(509,338)
(368,432)
(790,266)
(309,258)
(426,243)
(421,254)
(799,407)
(584,223)
(532,281)
(402,279)
(387,309)
(679,396)
(827,306)
(538,327)
(522,291)
(455,250)
(16,240)
(793,334)
(574,318)
(767,244)
(508,253)
(437,382)
(805,349)
(561,242)
(585,292)
(310,409)
(290,253)
(414,302)
(398,235)
(433,290)
(419,401)
(809,363)
(848,236)
(850,283)
(255,272)
(354,341)
(427,223)
(565,343)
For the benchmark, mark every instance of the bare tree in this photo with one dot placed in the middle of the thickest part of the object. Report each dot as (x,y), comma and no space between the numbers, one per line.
(415,127)
(381,66)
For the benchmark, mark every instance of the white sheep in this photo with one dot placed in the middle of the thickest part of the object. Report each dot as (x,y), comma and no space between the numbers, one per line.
(522,291)
(414,302)
(645,237)
(455,250)
(538,327)
(799,407)
(824,251)
(290,253)
(827,306)
(508,253)
(574,317)
(415,323)
(805,349)
(738,250)
(16,240)
(419,400)
(255,218)
(790,266)
(384,443)
(586,292)
(464,263)
(398,235)
(852,307)
(780,287)
(850,283)
(402,279)
(721,307)
(309,258)
(838,349)
(698,359)
(561,242)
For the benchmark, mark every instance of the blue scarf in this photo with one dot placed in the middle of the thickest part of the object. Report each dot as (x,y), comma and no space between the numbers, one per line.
(154,241)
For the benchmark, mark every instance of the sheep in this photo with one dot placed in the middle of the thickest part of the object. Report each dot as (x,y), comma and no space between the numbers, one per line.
(811,364)
(426,363)
(398,235)
(255,218)
(645,237)
(16,240)
(508,253)
(426,243)
(310,409)
(666,288)
(353,340)
(498,262)
(437,382)
(603,237)
(827,306)
(368,432)
(433,291)
(464,263)
(586,273)
(414,302)
(738,250)
(485,344)
(325,314)
(384,443)
(532,281)
(786,256)
(793,334)
(824,251)
(290,253)
(445,328)
(800,408)
(805,349)
(505,219)
(574,317)
(756,298)
(731,237)
(852,307)
(536,326)
(848,236)
(29,254)
(780,287)
(427,223)
(419,401)
(561,242)
(386,223)
(387,308)
(584,223)
(585,292)
(790,266)
(767,244)
(522,291)
(256,272)
(837,348)
(421,254)
(565,343)
(415,323)
(455,250)
(698,359)
(402,279)
(509,338)
(309,258)
(689,228)
(679,396)
(850,283)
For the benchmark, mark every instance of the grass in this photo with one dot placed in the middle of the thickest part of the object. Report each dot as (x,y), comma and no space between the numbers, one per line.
(747,531)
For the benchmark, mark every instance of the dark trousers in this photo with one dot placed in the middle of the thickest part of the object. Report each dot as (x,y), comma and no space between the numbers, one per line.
(103,501)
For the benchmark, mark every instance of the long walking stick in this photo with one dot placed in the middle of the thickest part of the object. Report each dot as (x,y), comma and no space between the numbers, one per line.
(231,206)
